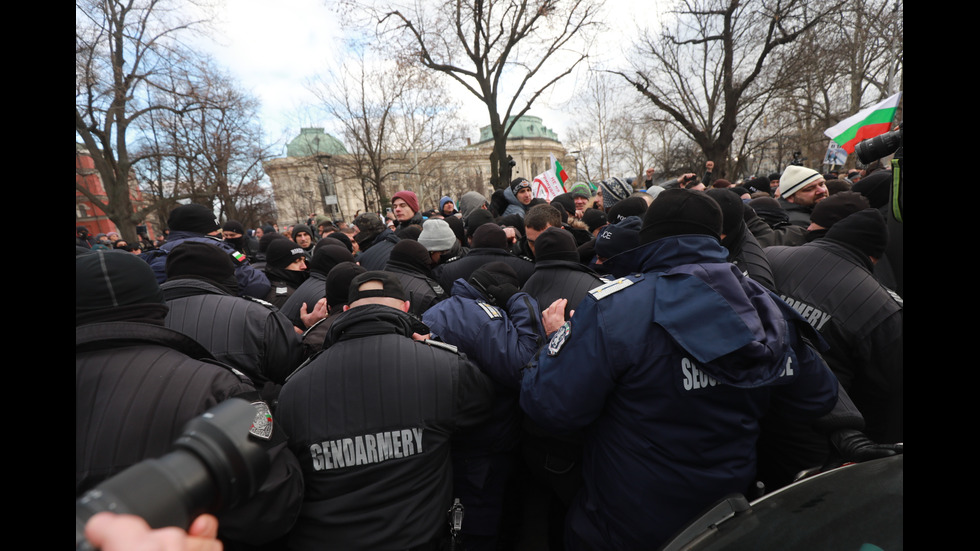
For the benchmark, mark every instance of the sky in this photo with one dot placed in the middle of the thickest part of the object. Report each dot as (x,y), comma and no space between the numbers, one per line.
(274,48)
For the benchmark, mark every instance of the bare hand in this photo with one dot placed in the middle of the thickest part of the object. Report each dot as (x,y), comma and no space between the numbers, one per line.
(319,312)
(710,165)
(420,337)
(553,316)
(112,532)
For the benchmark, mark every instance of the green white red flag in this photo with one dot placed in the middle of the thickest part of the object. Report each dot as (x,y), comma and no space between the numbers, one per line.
(868,123)
(550,183)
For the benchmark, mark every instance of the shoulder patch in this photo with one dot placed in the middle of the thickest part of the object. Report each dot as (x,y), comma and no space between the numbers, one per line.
(262,423)
(436,288)
(490,311)
(442,345)
(238,258)
(614,286)
(896,297)
(559,339)
(260,301)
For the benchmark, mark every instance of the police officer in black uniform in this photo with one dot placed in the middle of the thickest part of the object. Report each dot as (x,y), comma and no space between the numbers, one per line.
(370,419)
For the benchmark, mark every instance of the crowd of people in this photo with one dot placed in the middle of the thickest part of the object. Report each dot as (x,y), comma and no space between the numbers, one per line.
(505,372)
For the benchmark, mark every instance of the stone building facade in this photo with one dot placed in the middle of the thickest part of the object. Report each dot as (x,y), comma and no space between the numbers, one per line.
(314,176)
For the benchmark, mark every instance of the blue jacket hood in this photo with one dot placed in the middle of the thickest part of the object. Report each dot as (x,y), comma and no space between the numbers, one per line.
(733,326)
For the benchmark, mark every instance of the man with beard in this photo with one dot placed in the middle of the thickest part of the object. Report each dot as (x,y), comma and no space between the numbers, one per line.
(303,236)
(800,189)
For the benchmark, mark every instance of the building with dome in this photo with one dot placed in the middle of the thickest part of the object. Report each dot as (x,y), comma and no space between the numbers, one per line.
(318,175)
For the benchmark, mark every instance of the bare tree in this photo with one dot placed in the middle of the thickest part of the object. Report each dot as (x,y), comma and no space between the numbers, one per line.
(591,134)
(395,118)
(230,149)
(506,53)
(123,49)
(709,70)
(852,60)
(612,136)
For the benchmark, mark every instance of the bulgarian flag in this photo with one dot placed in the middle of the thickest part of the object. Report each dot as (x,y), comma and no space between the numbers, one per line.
(868,123)
(550,183)
(559,171)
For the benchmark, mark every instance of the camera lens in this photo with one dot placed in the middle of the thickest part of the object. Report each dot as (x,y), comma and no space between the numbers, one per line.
(875,148)
(214,465)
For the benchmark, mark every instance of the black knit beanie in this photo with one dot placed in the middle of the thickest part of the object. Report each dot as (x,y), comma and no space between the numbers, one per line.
(489,236)
(338,283)
(412,254)
(298,228)
(875,187)
(837,207)
(197,260)
(567,201)
(110,283)
(631,206)
(681,212)
(865,231)
(477,219)
(192,218)
(555,244)
(458,228)
(594,219)
(268,238)
(282,253)
(326,256)
(757,184)
(332,239)
(731,208)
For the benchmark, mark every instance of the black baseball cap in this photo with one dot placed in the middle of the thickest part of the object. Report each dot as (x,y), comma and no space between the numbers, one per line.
(391,287)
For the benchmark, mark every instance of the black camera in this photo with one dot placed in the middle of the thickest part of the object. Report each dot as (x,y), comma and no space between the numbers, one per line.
(213,466)
(882,145)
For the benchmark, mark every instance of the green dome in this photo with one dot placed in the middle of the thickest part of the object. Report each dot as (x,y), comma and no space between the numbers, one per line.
(526,127)
(314,141)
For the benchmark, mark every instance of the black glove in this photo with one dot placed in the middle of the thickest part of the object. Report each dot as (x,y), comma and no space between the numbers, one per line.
(500,294)
(853,446)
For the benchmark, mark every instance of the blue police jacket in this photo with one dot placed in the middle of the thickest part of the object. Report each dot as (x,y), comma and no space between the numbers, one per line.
(668,371)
